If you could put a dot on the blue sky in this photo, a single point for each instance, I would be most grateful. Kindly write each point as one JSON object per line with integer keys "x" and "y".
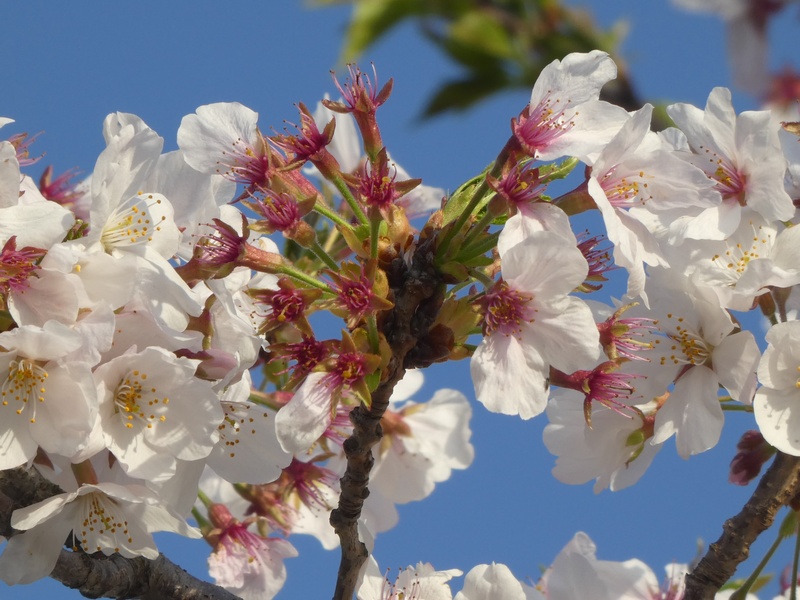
{"x": 69, "y": 64}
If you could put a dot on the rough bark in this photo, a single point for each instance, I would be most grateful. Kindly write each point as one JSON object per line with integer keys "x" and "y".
{"x": 97, "y": 575}
{"x": 779, "y": 484}
{"x": 418, "y": 294}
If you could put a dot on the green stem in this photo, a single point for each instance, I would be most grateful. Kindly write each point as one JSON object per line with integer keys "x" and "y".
{"x": 300, "y": 276}
{"x": 477, "y": 229}
{"x": 372, "y": 334}
{"x": 330, "y": 214}
{"x": 263, "y": 399}
{"x": 737, "y": 408}
{"x": 341, "y": 186}
{"x": 469, "y": 252}
{"x": 485, "y": 280}
{"x": 375, "y": 219}
{"x": 207, "y": 502}
{"x": 321, "y": 254}
{"x": 201, "y": 520}
{"x": 477, "y": 196}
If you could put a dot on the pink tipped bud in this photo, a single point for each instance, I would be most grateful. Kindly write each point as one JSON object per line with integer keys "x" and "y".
{"x": 754, "y": 451}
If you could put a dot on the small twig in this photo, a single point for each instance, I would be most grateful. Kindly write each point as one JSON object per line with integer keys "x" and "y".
{"x": 417, "y": 299}
{"x": 779, "y": 484}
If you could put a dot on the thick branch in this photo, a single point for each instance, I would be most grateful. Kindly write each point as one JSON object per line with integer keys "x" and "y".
{"x": 779, "y": 484}
{"x": 97, "y": 575}
{"x": 417, "y": 299}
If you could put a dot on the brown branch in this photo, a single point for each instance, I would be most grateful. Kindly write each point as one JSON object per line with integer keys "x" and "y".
{"x": 97, "y": 575}
{"x": 418, "y": 294}
{"x": 779, "y": 484}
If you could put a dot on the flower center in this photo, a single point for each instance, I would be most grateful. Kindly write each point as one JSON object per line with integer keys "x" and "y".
{"x": 131, "y": 223}
{"x": 99, "y": 523}
{"x": 505, "y": 310}
{"x": 16, "y": 266}
{"x": 24, "y": 386}
{"x": 135, "y": 401}
{"x": 733, "y": 263}
{"x": 688, "y": 347}
{"x": 544, "y": 124}
{"x": 626, "y": 190}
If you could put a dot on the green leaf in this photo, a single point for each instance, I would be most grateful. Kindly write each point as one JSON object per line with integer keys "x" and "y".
{"x": 372, "y": 19}
{"x": 462, "y": 94}
{"x": 460, "y": 198}
{"x": 481, "y": 33}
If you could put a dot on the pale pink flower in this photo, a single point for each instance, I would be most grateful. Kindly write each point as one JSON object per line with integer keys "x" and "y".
{"x": 776, "y": 401}
{"x": 422, "y": 582}
{"x": 565, "y": 117}
{"x": 742, "y": 154}
{"x": 530, "y": 323}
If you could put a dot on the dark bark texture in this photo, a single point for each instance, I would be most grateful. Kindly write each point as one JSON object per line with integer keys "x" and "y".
{"x": 97, "y": 575}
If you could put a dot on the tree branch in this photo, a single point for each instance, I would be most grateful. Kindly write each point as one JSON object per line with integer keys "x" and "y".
{"x": 418, "y": 295}
{"x": 97, "y": 575}
{"x": 779, "y": 484}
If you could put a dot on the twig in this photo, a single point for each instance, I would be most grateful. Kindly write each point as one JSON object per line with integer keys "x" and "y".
{"x": 779, "y": 484}
{"x": 418, "y": 295}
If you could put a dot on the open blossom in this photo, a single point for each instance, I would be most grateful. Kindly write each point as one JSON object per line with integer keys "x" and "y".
{"x": 422, "y": 443}
{"x": 224, "y": 138}
{"x": 106, "y": 517}
{"x": 47, "y": 400}
{"x": 531, "y": 323}
{"x": 153, "y": 411}
{"x": 422, "y": 582}
{"x": 248, "y": 448}
{"x": 615, "y": 451}
{"x": 635, "y": 173}
{"x": 694, "y": 345}
{"x": 245, "y": 562}
{"x": 742, "y": 154}
{"x": 565, "y": 117}
{"x": 776, "y": 401}
{"x": 486, "y": 582}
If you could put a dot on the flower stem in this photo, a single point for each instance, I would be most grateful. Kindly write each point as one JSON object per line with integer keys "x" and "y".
{"x": 325, "y": 211}
{"x": 321, "y": 254}
{"x": 340, "y": 185}
{"x": 300, "y": 276}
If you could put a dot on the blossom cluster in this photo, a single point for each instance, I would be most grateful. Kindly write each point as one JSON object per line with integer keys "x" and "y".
{"x": 158, "y": 358}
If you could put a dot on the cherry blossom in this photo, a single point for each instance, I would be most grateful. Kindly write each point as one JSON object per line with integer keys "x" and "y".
{"x": 531, "y": 323}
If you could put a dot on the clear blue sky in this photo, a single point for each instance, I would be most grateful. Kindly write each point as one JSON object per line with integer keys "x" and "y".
{"x": 68, "y": 64}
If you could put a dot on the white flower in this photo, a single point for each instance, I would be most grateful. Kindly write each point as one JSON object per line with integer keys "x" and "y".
{"x": 776, "y": 402}
{"x": 576, "y": 573}
{"x": 223, "y": 138}
{"x": 421, "y": 445}
{"x": 693, "y": 344}
{"x": 615, "y": 452}
{"x": 565, "y": 117}
{"x": 248, "y": 448}
{"x": 45, "y": 401}
{"x": 153, "y": 410}
{"x": 106, "y": 518}
{"x": 422, "y": 582}
{"x": 490, "y": 582}
{"x": 634, "y": 173}
{"x": 531, "y": 323}
{"x": 742, "y": 154}
{"x": 248, "y": 564}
